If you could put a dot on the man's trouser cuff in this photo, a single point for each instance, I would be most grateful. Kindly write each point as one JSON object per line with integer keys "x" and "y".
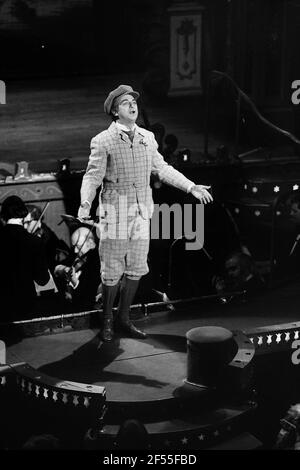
{"x": 109, "y": 282}
{"x": 133, "y": 277}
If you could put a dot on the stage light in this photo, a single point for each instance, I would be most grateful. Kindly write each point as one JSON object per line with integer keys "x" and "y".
{"x": 257, "y": 213}
{"x": 183, "y": 156}
{"x": 63, "y": 167}
{"x": 237, "y": 210}
{"x": 278, "y": 213}
{"x": 245, "y": 187}
{"x": 276, "y": 189}
{"x": 254, "y": 189}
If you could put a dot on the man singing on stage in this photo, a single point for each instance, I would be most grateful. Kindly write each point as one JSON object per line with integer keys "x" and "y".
{"x": 122, "y": 159}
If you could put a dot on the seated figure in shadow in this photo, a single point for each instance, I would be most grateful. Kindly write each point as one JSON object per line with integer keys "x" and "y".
{"x": 240, "y": 274}
{"x": 78, "y": 279}
{"x": 286, "y": 262}
{"x": 56, "y": 249}
{"x": 292, "y": 262}
{"x": 23, "y": 263}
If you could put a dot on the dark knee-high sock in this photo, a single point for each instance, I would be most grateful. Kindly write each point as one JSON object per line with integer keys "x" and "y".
{"x": 108, "y": 297}
{"x": 127, "y": 293}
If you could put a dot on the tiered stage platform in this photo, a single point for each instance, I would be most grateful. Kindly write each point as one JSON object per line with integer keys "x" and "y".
{"x": 146, "y": 379}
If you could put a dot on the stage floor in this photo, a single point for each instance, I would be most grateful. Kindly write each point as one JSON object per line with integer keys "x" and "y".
{"x": 151, "y": 369}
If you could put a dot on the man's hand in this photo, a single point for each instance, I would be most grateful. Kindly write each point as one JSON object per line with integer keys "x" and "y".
{"x": 201, "y": 193}
{"x": 74, "y": 279}
{"x": 84, "y": 211}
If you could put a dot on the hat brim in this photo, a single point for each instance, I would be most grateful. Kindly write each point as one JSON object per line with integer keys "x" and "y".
{"x": 135, "y": 94}
{"x": 117, "y": 99}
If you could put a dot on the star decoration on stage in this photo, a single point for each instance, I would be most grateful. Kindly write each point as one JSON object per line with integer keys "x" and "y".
{"x": 3, "y": 380}
{"x": 75, "y": 400}
{"x": 295, "y": 187}
{"x": 184, "y": 440}
{"x": 278, "y": 337}
{"x": 269, "y": 340}
{"x": 86, "y": 402}
{"x": 201, "y": 437}
{"x": 276, "y": 189}
{"x": 287, "y": 336}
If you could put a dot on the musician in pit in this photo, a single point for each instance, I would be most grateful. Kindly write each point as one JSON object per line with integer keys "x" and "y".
{"x": 293, "y": 258}
{"x": 286, "y": 263}
{"x": 78, "y": 279}
{"x": 240, "y": 275}
{"x": 23, "y": 262}
{"x": 56, "y": 249}
{"x": 295, "y": 209}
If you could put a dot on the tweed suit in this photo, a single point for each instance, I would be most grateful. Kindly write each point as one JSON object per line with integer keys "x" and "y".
{"x": 125, "y": 201}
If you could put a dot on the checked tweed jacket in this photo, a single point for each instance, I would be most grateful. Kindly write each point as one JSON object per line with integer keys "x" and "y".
{"x": 124, "y": 168}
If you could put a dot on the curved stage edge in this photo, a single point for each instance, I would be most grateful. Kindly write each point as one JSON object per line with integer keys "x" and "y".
{"x": 66, "y": 376}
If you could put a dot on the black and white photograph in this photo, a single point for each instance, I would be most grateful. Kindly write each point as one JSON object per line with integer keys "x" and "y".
{"x": 149, "y": 228}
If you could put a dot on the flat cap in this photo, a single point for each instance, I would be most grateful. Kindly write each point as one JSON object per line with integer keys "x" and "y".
{"x": 117, "y": 93}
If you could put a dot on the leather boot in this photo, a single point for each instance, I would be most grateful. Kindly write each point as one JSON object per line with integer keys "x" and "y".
{"x": 123, "y": 322}
{"x": 108, "y": 295}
